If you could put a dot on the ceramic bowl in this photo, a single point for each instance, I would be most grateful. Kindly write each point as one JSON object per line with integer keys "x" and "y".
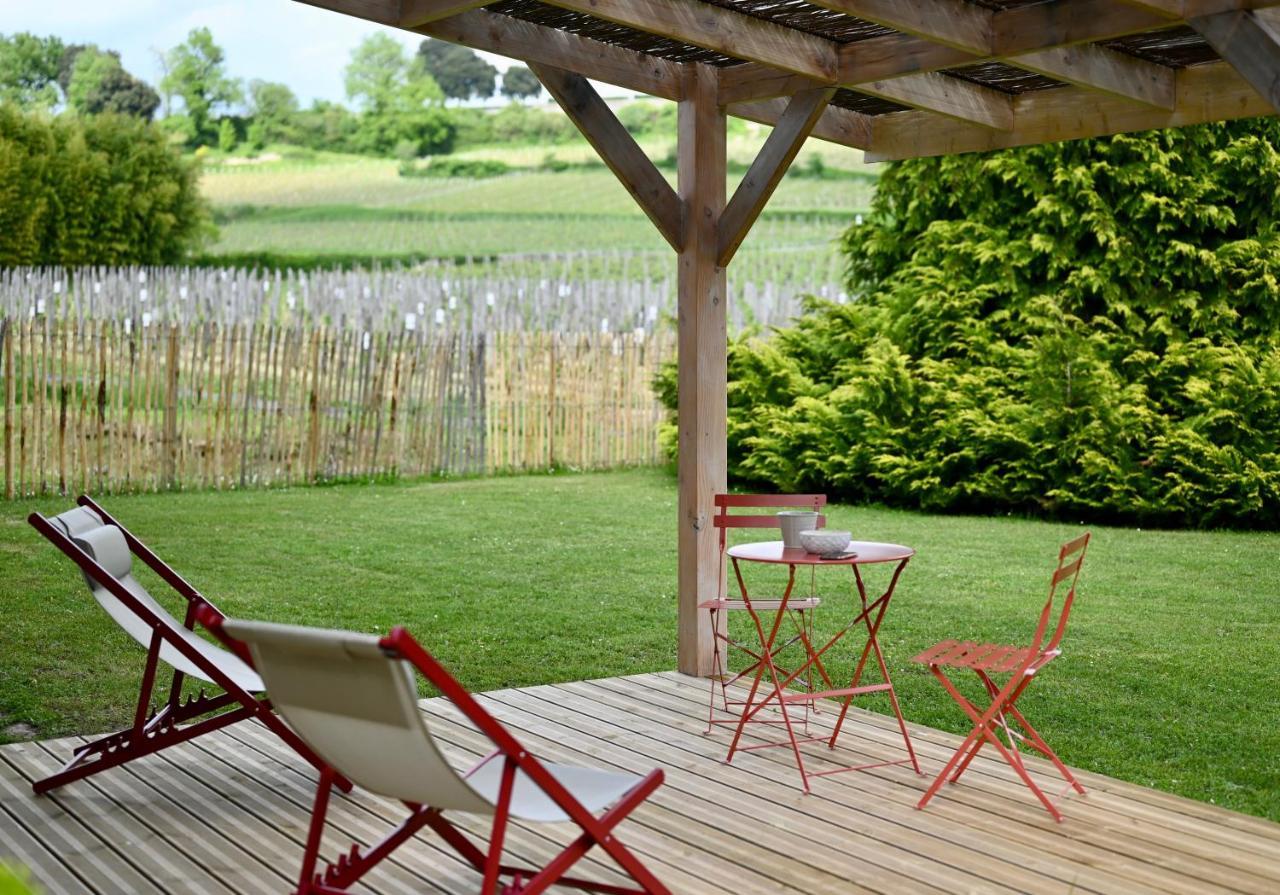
{"x": 825, "y": 542}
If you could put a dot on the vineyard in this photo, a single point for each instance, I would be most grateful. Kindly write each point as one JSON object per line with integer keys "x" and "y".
{"x": 161, "y": 379}
{"x": 285, "y": 212}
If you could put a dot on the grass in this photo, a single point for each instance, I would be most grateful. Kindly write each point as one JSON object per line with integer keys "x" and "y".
{"x": 1168, "y": 678}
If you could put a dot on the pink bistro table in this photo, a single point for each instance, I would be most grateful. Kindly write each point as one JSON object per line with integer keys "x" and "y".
{"x": 774, "y": 691}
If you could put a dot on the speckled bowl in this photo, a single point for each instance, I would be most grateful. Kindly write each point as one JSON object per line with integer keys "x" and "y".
{"x": 825, "y": 542}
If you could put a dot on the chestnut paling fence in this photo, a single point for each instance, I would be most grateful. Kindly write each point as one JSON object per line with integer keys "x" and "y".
{"x": 143, "y": 380}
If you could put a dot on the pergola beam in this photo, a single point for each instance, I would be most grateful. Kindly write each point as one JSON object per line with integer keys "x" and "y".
{"x": 948, "y": 97}
{"x": 415, "y": 13}
{"x": 1205, "y": 93}
{"x": 1172, "y": 9}
{"x": 952, "y": 23}
{"x": 483, "y": 30}
{"x": 766, "y": 171}
{"x": 841, "y": 126}
{"x": 721, "y": 30}
{"x": 618, "y": 149}
{"x": 1104, "y": 70}
{"x": 1025, "y": 29}
{"x": 880, "y": 59}
{"x": 384, "y": 12}
{"x": 1250, "y": 43}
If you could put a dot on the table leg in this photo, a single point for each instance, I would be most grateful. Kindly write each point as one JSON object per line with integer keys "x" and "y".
{"x": 873, "y": 646}
{"x": 766, "y": 648}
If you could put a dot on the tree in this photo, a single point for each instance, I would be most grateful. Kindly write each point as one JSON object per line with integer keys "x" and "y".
{"x": 376, "y": 74}
{"x": 1080, "y": 330}
{"x": 274, "y": 110}
{"x": 328, "y": 125}
{"x": 121, "y": 92}
{"x": 401, "y": 102}
{"x": 96, "y": 82}
{"x": 100, "y": 190}
{"x": 29, "y": 69}
{"x": 227, "y": 138}
{"x": 196, "y": 72}
{"x": 518, "y": 82}
{"x": 459, "y": 71}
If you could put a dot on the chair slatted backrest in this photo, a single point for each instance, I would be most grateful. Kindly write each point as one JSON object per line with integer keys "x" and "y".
{"x": 356, "y": 705}
{"x": 1070, "y": 561}
{"x": 723, "y": 520}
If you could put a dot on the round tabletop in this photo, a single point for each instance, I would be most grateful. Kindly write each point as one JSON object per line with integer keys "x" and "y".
{"x": 867, "y": 552}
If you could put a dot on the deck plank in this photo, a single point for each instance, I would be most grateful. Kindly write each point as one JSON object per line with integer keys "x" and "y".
{"x": 244, "y": 800}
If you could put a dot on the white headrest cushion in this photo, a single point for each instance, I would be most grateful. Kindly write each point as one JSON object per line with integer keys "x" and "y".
{"x": 77, "y": 521}
{"x": 107, "y": 545}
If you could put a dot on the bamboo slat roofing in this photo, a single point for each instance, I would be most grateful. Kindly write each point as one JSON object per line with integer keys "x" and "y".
{"x": 913, "y": 77}
{"x": 1170, "y": 47}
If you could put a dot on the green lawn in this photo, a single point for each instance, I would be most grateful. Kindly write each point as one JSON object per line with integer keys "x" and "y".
{"x": 1169, "y": 677}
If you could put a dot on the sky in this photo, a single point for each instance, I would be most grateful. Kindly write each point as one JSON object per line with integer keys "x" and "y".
{"x": 275, "y": 40}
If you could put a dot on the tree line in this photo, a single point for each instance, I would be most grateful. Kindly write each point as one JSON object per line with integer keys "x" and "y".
{"x": 398, "y": 100}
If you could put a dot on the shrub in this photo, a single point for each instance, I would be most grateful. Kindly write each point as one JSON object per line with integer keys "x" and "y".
{"x": 475, "y": 127}
{"x": 647, "y": 117}
{"x": 457, "y": 167}
{"x": 429, "y": 129}
{"x": 100, "y": 190}
{"x": 517, "y": 123}
{"x": 1080, "y": 330}
{"x": 227, "y": 136}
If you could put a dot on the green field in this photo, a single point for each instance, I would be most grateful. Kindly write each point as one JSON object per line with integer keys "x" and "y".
{"x": 300, "y": 203}
{"x": 524, "y": 580}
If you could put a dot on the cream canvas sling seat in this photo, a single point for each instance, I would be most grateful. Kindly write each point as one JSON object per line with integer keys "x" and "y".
{"x": 105, "y": 552}
{"x": 353, "y": 698}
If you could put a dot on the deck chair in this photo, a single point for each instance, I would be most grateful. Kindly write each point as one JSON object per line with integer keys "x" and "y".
{"x": 104, "y": 550}
{"x": 721, "y": 606}
{"x": 1021, "y": 663}
{"x": 354, "y": 699}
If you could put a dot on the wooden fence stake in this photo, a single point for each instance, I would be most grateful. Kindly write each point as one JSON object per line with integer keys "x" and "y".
{"x": 6, "y": 338}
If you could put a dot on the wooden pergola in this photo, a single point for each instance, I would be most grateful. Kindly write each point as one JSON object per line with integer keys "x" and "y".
{"x": 895, "y": 78}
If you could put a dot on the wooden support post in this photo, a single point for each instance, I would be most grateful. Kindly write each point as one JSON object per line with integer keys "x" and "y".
{"x": 702, "y": 353}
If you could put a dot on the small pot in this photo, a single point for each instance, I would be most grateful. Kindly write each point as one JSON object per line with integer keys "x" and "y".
{"x": 792, "y": 522}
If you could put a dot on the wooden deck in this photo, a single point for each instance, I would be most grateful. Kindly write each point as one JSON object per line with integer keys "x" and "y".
{"x": 227, "y": 814}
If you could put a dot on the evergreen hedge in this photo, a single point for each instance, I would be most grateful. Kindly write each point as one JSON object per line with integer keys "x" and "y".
{"x": 93, "y": 190}
{"x": 1080, "y": 330}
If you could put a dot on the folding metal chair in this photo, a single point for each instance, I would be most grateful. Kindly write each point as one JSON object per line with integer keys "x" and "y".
{"x": 1021, "y": 664}
{"x": 800, "y": 609}
{"x": 104, "y": 551}
{"x": 353, "y": 697}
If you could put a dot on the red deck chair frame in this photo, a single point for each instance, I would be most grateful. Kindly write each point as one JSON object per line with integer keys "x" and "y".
{"x": 320, "y": 719}
{"x": 803, "y": 608}
{"x": 155, "y": 729}
{"x": 1022, "y": 664}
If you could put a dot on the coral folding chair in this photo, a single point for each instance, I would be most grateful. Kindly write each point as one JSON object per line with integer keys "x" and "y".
{"x": 105, "y": 550}
{"x": 1021, "y": 663}
{"x": 721, "y": 606}
{"x": 354, "y": 699}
